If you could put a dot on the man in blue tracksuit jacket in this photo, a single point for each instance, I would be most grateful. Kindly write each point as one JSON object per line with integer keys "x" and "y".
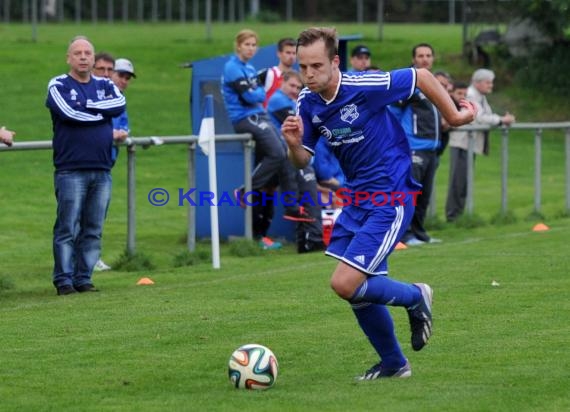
{"x": 244, "y": 96}
{"x": 82, "y": 107}
{"x": 421, "y": 121}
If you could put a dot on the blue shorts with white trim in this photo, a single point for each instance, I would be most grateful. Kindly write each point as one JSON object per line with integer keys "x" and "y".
{"x": 364, "y": 238}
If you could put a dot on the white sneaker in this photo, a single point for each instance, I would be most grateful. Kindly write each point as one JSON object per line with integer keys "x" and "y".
{"x": 100, "y": 266}
{"x": 414, "y": 242}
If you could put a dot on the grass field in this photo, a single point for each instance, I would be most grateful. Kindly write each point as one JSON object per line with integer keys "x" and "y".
{"x": 166, "y": 346}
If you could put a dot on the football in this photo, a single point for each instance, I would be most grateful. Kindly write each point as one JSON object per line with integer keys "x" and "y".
{"x": 253, "y": 366}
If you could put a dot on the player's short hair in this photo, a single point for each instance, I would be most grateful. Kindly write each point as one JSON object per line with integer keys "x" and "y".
{"x": 314, "y": 34}
{"x": 243, "y": 35}
{"x": 287, "y": 41}
{"x": 417, "y": 46}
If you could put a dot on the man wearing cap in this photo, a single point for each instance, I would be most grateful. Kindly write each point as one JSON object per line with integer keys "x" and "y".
{"x": 122, "y": 75}
{"x": 360, "y": 59}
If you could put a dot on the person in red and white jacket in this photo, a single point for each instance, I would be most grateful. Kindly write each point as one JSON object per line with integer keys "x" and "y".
{"x": 273, "y": 76}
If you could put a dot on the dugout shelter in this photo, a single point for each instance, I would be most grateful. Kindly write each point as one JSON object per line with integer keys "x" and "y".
{"x": 206, "y": 79}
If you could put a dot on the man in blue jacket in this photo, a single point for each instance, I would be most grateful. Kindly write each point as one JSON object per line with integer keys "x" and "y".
{"x": 82, "y": 107}
{"x": 421, "y": 122}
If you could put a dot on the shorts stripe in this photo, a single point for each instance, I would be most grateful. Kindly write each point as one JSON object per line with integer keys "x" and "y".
{"x": 388, "y": 241}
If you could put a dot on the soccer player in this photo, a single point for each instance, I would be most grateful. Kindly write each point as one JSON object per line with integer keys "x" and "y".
{"x": 349, "y": 110}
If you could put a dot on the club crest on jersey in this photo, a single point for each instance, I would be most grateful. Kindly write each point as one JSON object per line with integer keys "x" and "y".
{"x": 101, "y": 94}
{"x": 73, "y": 94}
{"x": 349, "y": 113}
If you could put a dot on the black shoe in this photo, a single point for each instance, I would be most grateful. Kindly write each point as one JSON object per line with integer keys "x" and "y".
{"x": 88, "y": 287}
{"x": 298, "y": 215}
{"x": 65, "y": 290}
{"x": 421, "y": 318}
{"x": 309, "y": 246}
{"x": 378, "y": 372}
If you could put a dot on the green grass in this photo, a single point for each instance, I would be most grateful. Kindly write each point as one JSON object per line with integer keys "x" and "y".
{"x": 166, "y": 346}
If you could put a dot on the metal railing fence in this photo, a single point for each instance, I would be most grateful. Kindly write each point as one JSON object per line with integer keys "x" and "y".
{"x": 146, "y": 142}
{"x": 537, "y": 128}
{"x": 248, "y": 145}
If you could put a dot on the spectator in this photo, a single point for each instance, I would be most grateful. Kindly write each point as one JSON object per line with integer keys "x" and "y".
{"x": 6, "y": 136}
{"x": 283, "y": 103}
{"x": 350, "y": 110}
{"x": 104, "y": 65}
{"x": 422, "y": 123}
{"x": 360, "y": 59}
{"x": 273, "y": 76}
{"x": 82, "y": 107}
{"x": 481, "y": 85}
{"x": 244, "y": 98}
{"x": 264, "y": 210}
{"x": 330, "y": 176}
{"x": 444, "y": 79}
{"x": 123, "y": 72}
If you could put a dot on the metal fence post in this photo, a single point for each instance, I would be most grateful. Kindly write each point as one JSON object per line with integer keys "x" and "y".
{"x": 247, "y": 167}
{"x": 131, "y": 200}
{"x": 568, "y": 170}
{"x": 537, "y": 168}
{"x": 469, "y": 198}
{"x": 191, "y": 239}
{"x": 504, "y": 168}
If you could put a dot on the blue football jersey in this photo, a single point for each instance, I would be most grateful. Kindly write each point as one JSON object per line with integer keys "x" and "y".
{"x": 368, "y": 141}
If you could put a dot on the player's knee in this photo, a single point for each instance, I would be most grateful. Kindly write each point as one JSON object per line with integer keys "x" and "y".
{"x": 342, "y": 288}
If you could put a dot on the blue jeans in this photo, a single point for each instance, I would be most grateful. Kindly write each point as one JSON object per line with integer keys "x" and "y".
{"x": 82, "y": 201}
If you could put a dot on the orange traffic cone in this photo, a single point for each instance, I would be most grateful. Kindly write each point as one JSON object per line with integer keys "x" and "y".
{"x": 401, "y": 246}
{"x": 145, "y": 281}
{"x": 540, "y": 227}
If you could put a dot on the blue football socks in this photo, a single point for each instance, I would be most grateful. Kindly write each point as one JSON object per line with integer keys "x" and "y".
{"x": 376, "y": 322}
{"x": 386, "y": 291}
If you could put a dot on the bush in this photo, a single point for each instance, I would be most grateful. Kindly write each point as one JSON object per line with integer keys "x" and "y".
{"x": 133, "y": 263}
{"x": 187, "y": 258}
{"x": 506, "y": 218}
{"x": 245, "y": 248}
{"x": 6, "y": 283}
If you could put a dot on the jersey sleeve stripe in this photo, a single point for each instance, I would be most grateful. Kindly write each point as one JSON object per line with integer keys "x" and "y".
{"x": 68, "y": 111}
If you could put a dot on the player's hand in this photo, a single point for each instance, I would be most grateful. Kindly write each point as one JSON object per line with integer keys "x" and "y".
{"x": 292, "y": 130}
{"x": 467, "y": 113}
{"x": 6, "y": 136}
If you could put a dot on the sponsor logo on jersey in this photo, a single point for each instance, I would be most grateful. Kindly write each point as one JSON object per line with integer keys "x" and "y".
{"x": 325, "y": 132}
{"x": 349, "y": 113}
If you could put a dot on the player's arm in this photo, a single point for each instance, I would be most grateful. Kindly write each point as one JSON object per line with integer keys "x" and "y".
{"x": 248, "y": 89}
{"x": 435, "y": 92}
{"x": 67, "y": 105}
{"x": 292, "y": 130}
{"x": 113, "y": 105}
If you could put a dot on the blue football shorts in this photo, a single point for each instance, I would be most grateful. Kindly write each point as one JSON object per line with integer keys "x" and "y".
{"x": 364, "y": 238}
